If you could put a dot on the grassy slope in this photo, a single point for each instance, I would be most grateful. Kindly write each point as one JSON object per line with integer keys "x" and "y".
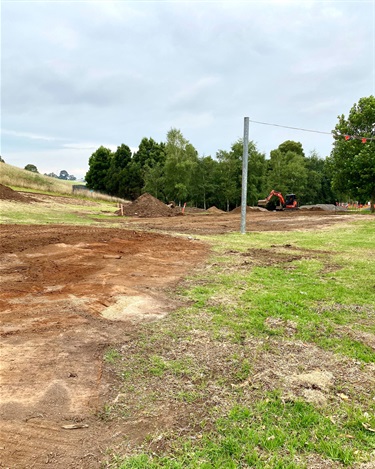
{"x": 89, "y": 207}
{"x": 21, "y": 179}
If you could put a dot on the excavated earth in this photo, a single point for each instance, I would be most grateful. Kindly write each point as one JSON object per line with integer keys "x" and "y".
{"x": 68, "y": 294}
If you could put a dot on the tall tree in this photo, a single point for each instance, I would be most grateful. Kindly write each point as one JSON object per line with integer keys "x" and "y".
{"x": 291, "y": 145}
{"x": 203, "y": 181}
{"x": 313, "y": 191}
{"x": 154, "y": 180}
{"x": 149, "y": 154}
{"x": 117, "y": 177}
{"x": 229, "y": 187}
{"x": 99, "y": 164}
{"x": 287, "y": 171}
{"x": 181, "y": 158}
{"x": 256, "y": 170}
{"x": 353, "y": 156}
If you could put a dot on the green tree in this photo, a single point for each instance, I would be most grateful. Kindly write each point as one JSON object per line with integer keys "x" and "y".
{"x": 149, "y": 154}
{"x": 313, "y": 191}
{"x": 287, "y": 172}
{"x": 203, "y": 182}
{"x": 291, "y": 145}
{"x": 99, "y": 164}
{"x": 32, "y": 168}
{"x": 117, "y": 178}
{"x": 181, "y": 159}
{"x": 154, "y": 180}
{"x": 64, "y": 174}
{"x": 229, "y": 178}
{"x": 353, "y": 161}
{"x": 256, "y": 170}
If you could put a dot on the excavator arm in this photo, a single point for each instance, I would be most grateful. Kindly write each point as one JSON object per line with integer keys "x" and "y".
{"x": 266, "y": 201}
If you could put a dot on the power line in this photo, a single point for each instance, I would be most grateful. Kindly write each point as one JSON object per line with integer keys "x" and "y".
{"x": 346, "y": 136}
{"x": 294, "y": 128}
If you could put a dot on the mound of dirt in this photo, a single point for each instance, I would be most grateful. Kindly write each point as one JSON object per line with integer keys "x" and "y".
{"x": 323, "y": 207}
{"x": 147, "y": 206}
{"x": 214, "y": 209}
{"x": 194, "y": 210}
{"x": 249, "y": 209}
{"x": 6, "y": 193}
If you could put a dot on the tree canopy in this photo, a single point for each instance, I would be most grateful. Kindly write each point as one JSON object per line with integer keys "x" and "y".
{"x": 353, "y": 154}
{"x": 32, "y": 168}
{"x": 99, "y": 164}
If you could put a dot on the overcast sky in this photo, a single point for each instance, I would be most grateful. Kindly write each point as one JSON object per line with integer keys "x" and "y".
{"x": 79, "y": 74}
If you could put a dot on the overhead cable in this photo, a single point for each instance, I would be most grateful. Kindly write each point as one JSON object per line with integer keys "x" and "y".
{"x": 347, "y": 137}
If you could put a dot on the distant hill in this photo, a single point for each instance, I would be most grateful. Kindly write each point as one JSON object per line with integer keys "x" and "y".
{"x": 21, "y": 179}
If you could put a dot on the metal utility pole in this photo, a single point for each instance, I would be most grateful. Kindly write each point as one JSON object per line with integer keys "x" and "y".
{"x": 244, "y": 174}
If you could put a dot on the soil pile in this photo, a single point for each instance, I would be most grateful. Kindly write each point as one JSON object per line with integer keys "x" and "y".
{"x": 6, "y": 193}
{"x": 214, "y": 209}
{"x": 147, "y": 206}
{"x": 194, "y": 210}
{"x": 249, "y": 209}
{"x": 323, "y": 207}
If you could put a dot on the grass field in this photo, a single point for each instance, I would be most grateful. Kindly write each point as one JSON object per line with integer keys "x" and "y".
{"x": 238, "y": 363}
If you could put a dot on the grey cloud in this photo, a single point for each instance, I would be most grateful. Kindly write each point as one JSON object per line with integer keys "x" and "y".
{"x": 118, "y": 71}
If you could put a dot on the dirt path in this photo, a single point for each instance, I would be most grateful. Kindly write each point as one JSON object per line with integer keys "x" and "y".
{"x": 67, "y": 294}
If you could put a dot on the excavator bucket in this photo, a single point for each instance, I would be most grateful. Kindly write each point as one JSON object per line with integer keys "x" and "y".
{"x": 262, "y": 202}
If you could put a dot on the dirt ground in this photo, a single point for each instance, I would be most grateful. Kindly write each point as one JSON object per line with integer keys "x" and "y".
{"x": 67, "y": 294}
{"x": 70, "y": 293}
{"x": 210, "y": 223}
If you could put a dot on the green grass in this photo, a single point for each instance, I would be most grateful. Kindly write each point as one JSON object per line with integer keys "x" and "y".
{"x": 247, "y": 308}
{"x": 269, "y": 434}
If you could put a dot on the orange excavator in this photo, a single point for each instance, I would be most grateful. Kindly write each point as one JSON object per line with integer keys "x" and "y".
{"x": 271, "y": 203}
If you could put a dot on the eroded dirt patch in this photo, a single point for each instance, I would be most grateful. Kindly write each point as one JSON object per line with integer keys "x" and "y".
{"x": 57, "y": 284}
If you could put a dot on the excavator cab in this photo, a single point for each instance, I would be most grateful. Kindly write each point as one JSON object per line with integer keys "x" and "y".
{"x": 291, "y": 202}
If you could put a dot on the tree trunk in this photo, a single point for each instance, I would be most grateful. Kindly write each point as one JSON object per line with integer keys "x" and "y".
{"x": 372, "y": 202}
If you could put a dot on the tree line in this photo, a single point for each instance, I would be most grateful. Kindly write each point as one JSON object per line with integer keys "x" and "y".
{"x": 63, "y": 173}
{"x": 173, "y": 170}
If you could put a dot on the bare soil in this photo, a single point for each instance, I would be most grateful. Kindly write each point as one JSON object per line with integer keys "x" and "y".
{"x": 68, "y": 295}
{"x": 218, "y": 222}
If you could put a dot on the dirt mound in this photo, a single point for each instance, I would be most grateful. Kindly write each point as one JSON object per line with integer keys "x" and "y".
{"x": 147, "y": 206}
{"x": 249, "y": 209}
{"x": 323, "y": 207}
{"x": 6, "y": 193}
{"x": 194, "y": 210}
{"x": 214, "y": 209}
